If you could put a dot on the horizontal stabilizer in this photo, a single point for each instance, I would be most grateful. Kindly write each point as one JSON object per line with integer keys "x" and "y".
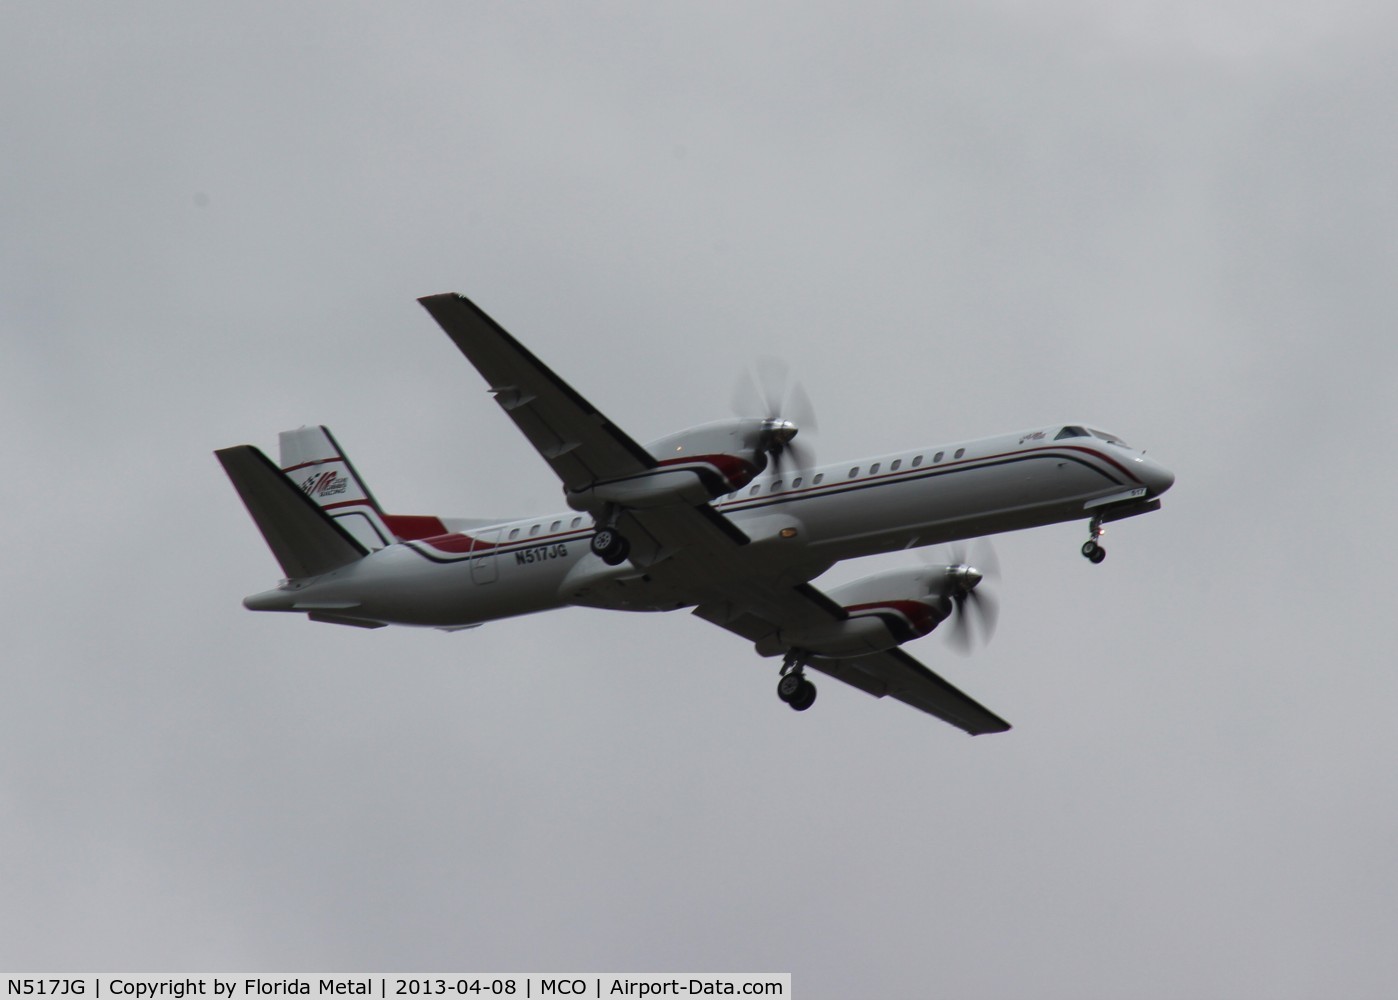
{"x": 305, "y": 540}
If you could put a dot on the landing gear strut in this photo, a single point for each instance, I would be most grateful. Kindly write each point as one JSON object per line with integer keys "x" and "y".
{"x": 793, "y": 688}
{"x": 1091, "y": 549}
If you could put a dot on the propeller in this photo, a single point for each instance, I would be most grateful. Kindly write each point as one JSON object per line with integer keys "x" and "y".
{"x": 975, "y": 611}
{"x": 784, "y": 409}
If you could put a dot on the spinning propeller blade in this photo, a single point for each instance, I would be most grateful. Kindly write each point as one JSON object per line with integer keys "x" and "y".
{"x": 783, "y": 406}
{"x": 976, "y": 611}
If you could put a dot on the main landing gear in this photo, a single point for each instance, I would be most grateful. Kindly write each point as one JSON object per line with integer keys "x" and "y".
{"x": 1091, "y": 549}
{"x": 793, "y": 688}
{"x": 611, "y": 546}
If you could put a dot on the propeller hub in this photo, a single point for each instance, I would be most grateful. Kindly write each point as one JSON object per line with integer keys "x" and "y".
{"x": 966, "y": 577}
{"x": 771, "y": 398}
{"x": 780, "y": 432}
{"x": 974, "y": 611}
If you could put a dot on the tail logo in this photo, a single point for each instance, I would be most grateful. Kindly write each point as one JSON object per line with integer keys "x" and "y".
{"x": 326, "y": 484}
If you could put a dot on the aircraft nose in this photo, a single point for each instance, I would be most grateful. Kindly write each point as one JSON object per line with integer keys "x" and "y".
{"x": 1157, "y": 478}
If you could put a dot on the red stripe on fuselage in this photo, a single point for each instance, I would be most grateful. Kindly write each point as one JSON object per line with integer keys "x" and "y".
{"x": 1106, "y": 458}
{"x": 412, "y": 527}
{"x": 459, "y": 543}
{"x": 456, "y": 543}
{"x": 837, "y": 486}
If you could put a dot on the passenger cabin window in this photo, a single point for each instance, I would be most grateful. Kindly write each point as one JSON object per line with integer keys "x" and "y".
{"x": 917, "y": 460}
{"x": 874, "y": 468}
{"x": 555, "y": 526}
{"x": 1070, "y": 432}
{"x": 514, "y": 533}
{"x": 817, "y": 479}
{"x": 895, "y": 465}
{"x": 938, "y": 457}
{"x": 776, "y": 485}
{"x": 959, "y": 452}
{"x": 854, "y": 472}
{"x": 534, "y": 530}
{"x": 754, "y": 491}
{"x": 577, "y": 521}
{"x": 796, "y": 483}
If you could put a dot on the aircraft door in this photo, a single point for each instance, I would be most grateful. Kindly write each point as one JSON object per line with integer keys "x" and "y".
{"x": 483, "y": 569}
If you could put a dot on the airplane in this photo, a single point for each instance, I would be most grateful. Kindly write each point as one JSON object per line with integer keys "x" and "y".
{"x": 729, "y": 519}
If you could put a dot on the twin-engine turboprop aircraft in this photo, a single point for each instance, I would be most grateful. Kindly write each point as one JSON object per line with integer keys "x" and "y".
{"x": 726, "y": 519}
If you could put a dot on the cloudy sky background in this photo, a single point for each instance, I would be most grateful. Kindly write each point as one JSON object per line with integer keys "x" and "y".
{"x": 1175, "y": 221}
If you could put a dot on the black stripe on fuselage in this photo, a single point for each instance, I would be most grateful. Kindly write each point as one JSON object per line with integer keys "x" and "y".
{"x": 506, "y": 549}
{"x": 903, "y": 476}
{"x": 717, "y": 513}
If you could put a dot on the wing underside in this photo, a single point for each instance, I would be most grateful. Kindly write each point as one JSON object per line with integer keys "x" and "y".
{"x": 891, "y": 673}
{"x": 581, "y": 445}
{"x": 895, "y": 674}
{"x": 691, "y": 550}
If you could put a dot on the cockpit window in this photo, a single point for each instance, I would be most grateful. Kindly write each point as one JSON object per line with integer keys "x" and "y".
{"x": 1110, "y": 438}
{"x": 1071, "y": 432}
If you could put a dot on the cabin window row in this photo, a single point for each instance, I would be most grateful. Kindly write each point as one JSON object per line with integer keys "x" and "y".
{"x": 534, "y": 529}
{"x": 777, "y": 485}
{"x": 897, "y": 463}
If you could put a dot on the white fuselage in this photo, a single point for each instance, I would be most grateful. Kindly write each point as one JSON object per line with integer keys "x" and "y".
{"x": 801, "y": 522}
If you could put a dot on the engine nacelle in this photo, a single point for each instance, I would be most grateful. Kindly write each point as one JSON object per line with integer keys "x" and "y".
{"x": 729, "y": 452}
{"x": 885, "y": 610}
{"x": 694, "y": 467}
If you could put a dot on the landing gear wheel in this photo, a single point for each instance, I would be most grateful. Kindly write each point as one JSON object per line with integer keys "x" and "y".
{"x": 789, "y": 687}
{"x": 611, "y": 546}
{"x": 793, "y": 688}
{"x": 805, "y": 696}
{"x": 1092, "y": 551}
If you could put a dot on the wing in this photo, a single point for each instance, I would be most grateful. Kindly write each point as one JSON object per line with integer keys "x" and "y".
{"x": 694, "y": 551}
{"x": 581, "y": 445}
{"x": 895, "y": 674}
{"x": 891, "y": 673}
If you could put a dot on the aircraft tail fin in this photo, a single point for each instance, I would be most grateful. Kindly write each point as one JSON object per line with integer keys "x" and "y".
{"x": 313, "y": 460}
{"x": 303, "y": 537}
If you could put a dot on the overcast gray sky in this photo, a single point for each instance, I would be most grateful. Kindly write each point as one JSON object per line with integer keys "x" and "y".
{"x": 1175, "y": 221}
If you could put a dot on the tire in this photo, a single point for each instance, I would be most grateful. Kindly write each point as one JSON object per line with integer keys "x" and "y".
{"x": 611, "y": 546}
{"x": 603, "y": 540}
{"x": 805, "y": 697}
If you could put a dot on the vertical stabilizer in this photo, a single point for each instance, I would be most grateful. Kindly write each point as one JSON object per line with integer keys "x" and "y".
{"x": 305, "y": 541}
{"x": 313, "y": 460}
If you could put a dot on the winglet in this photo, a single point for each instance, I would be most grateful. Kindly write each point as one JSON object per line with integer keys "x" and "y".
{"x": 305, "y": 540}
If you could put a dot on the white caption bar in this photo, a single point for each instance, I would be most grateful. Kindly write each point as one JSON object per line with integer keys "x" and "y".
{"x": 401, "y": 986}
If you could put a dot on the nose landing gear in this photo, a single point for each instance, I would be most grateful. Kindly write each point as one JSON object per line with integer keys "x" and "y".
{"x": 1092, "y": 551}
{"x": 793, "y": 688}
